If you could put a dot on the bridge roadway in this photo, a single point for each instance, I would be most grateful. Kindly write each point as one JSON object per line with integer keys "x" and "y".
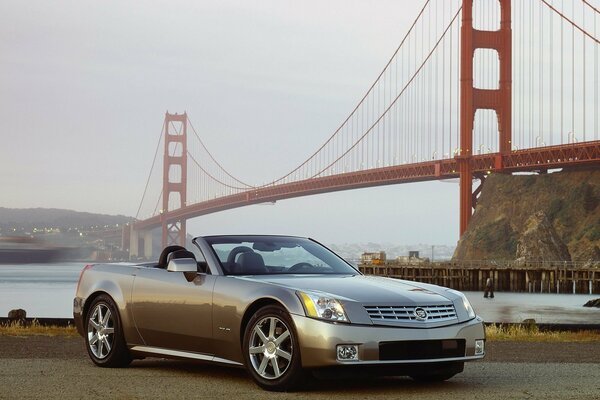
{"x": 535, "y": 159}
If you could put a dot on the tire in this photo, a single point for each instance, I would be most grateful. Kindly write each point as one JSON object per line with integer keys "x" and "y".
{"x": 104, "y": 340}
{"x": 271, "y": 350}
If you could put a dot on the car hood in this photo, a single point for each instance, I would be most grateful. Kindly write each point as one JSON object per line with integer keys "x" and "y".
{"x": 360, "y": 288}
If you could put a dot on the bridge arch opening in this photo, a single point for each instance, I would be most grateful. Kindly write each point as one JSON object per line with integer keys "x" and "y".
{"x": 175, "y": 173}
{"x": 486, "y": 134}
{"x": 486, "y": 69}
{"x": 486, "y": 15}
{"x": 174, "y": 201}
{"x": 175, "y": 149}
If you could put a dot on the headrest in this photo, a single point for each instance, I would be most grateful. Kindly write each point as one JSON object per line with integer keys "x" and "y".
{"x": 235, "y": 251}
{"x": 162, "y": 260}
{"x": 251, "y": 263}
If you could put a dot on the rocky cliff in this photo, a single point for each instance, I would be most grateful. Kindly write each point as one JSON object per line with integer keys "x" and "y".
{"x": 548, "y": 217}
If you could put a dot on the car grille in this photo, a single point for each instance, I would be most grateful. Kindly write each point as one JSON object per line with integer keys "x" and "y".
{"x": 421, "y": 349}
{"x": 435, "y": 313}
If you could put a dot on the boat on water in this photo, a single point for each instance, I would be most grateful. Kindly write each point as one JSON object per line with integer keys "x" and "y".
{"x": 27, "y": 250}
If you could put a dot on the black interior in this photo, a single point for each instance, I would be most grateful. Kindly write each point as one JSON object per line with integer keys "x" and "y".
{"x": 162, "y": 260}
{"x": 174, "y": 252}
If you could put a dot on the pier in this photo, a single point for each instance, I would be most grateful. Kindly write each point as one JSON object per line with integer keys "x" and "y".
{"x": 533, "y": 277}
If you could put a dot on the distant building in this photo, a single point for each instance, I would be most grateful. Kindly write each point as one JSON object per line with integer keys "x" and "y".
{"x": 373, "y": 258}
{"x": 412, "y": 258}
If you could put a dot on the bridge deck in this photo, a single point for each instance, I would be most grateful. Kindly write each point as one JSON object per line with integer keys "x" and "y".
{"x": 541, "y": 158}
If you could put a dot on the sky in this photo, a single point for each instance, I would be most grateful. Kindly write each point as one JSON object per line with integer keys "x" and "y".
{"x": 85, "y": 86}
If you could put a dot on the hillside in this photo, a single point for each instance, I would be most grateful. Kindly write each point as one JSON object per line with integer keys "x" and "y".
{"x": 548, "y": 217}
{"x": 26, "y": 219}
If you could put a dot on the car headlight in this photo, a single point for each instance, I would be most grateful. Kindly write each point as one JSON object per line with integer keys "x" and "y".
{"x": 322, "y": 306}
{"x": 466, "y": 303}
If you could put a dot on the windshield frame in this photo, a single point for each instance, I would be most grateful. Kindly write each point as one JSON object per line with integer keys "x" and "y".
{"x": 205, "y": 243}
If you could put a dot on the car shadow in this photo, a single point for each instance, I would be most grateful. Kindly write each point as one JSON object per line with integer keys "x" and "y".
{"x": 352, "y": 385}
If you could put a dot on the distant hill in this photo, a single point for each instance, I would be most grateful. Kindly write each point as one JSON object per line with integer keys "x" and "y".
{"x": 547, "y": 217}
{"x": 26, "y": 219}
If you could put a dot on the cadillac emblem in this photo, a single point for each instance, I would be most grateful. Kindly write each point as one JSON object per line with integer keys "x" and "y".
{"x": 420, "y": 314}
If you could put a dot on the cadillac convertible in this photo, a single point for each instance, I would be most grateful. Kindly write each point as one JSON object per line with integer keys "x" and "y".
{"x": 282, "y": 307}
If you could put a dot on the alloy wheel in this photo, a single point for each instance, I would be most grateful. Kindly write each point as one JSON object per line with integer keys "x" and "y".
{"x": 101, "y": 331}
{"x": 270, "y": 348}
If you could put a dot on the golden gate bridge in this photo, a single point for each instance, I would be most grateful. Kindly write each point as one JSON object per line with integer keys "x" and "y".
{"x": 475, "y": 87}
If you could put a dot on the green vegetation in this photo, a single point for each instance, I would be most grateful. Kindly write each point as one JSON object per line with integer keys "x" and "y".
{"x": 594, "y": 231}
{"x": 591, "y": 231}
{"x": 570, "y": 200}
{"x": 496, "y": 237}
{"x": 590, "y": 200}
{"x": 556, "y": 209}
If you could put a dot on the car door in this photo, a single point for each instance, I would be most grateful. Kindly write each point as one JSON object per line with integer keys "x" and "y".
{"x": 173, "y": 310}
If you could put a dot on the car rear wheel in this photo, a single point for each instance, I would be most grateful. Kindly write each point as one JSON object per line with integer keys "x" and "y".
{"x": 104, "y": 339}
{"x": 271, "y": 350}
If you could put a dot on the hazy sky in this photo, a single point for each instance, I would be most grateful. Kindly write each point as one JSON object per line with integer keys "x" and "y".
{"x": 85, "y": 85}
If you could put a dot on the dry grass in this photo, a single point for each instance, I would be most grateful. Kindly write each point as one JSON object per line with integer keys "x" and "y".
{"x": 531, "y": 333}
{"x": 497, "y": 333}
{"x": 35, "y": 329}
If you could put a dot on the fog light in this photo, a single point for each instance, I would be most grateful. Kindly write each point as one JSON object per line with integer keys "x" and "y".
{"x": 347, "y": 352}
{"x": 479, "y": 347}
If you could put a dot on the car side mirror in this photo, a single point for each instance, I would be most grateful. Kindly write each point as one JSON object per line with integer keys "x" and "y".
{"x": 182, "y": 265}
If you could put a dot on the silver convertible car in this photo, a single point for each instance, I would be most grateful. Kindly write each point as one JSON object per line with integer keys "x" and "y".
{"x": 282, "y": 307}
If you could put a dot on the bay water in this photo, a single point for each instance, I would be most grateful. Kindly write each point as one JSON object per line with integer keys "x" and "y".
{"x": 47, "y": 291}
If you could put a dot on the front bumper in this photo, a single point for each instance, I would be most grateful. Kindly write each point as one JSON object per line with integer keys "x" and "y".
{"x": 319, "y": 340}
{"x": 77, "y": 314}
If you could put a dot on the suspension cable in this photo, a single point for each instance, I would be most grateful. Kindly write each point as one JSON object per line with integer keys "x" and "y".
{"x": 361, "y": 101}
{"x": 213, "y": 177}
{"x": 214, "y": 160}
{"x": 151, "y": 169}
{"x": 397, "y": 97}
{"x": 571, "y": 22}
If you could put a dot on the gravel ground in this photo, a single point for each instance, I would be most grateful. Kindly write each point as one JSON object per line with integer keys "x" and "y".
{"x": 44, "y": 367}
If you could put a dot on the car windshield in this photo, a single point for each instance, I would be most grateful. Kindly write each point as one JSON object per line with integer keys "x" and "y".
{"x": 261, "y": 255}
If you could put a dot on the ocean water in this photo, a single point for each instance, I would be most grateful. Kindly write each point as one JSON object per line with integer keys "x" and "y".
{"x": 43, "y": 290}
{"x": 47, "y": 291}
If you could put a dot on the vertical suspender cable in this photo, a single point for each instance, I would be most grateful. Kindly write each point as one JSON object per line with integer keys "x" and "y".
{"x": 584, "y": 70}
{"x": 521, "y": 29}
{"x": 137, "y": 214}
{"x": 458, "y": 105}
{"x": 573, "y": 77}
{"x": 451, "y": 91}
{"x": 531, "y": 77}
{"x": 562, "y": 77}
{"x": 540, "y": 79}
{"x": 444, "y": 86}
{"x": 551, "y": 83}
{"x": 596, "y": 73}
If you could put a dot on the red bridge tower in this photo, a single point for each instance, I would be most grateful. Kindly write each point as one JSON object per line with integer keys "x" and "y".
{"x": 174, "y": 178}
{"x": 472, "y": 99}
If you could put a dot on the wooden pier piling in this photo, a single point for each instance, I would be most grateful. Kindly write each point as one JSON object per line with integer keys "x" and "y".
{"x": 538, "y": 277}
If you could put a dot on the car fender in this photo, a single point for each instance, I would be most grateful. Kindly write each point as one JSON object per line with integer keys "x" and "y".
{"x": 233, "y": 298}
{"x": 120, "y": 291}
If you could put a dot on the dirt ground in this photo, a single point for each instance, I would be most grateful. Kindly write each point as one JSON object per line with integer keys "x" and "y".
{"x": 43, "y": 347}
{"x": 58, "y": 367}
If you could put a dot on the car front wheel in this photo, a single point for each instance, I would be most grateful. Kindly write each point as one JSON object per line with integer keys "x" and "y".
{"x": 271, "y": 350}
{"x": 104, "y": 339}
